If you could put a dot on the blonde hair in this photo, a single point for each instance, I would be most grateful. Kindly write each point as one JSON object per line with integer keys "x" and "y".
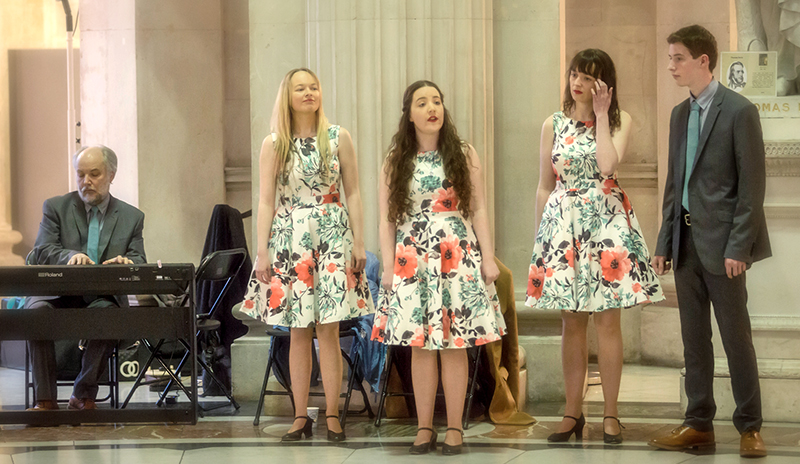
{"x": 282, "y": 126}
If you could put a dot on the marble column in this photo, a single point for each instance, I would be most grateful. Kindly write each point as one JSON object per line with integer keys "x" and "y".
{"x": 152, "y": 89}
{"x": 277, "y": 44}
{"x": 528, "y": 59}
{"x": 527, "y": 70}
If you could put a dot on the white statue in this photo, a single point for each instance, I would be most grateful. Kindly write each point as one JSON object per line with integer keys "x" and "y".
{"x": 773, "y": 25}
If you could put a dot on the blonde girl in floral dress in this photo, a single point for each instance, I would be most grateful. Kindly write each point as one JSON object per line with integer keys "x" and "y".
{"x": 590, "y": 256}
{"x": 311, "y": 252}
{"x": 438, "y": 294}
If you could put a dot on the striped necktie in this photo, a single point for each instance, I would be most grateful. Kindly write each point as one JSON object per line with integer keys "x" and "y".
{"x": 93, "y": 242}
{"x": 692, "y": 139}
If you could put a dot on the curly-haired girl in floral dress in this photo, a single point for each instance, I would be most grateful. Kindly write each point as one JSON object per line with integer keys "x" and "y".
{"x": 438, "y": 294}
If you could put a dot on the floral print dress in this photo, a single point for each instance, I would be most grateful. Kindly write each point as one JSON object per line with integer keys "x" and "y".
{"x": 310, "y": 248}
{"x": 589, "y": 253}
{"x": 438, "y": 298}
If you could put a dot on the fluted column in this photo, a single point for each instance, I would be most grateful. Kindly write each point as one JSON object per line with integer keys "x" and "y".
{"x": 366, "y": 53}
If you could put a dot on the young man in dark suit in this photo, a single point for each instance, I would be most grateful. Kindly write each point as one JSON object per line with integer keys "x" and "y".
{"x": 84, "y": 227}
{"x": 713, "y": 229}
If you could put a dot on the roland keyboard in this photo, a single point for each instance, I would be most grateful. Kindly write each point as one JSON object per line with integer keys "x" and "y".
{"x": 108, "y": 279}
{"x": 135, "y": 322}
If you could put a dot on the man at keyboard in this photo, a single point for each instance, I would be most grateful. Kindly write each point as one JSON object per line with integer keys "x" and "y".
{"x": 84, "y": 227}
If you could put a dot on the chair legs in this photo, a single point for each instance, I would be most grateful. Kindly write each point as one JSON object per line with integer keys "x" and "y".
{"x": 28, "y": 381}
{"x": 112, "y": 383}
{"x": 472, "y": 384}
{"x": 383, "y": 393}
{"x": 143, "y": 370}
{"x": 354, "y": 380}
{"x": 207, "y": 368}
{"x": 219, "y": 383}
{"x": 172, "y": 375}
{"x": 264, "y": 386}
{"x": 387, "y": 367}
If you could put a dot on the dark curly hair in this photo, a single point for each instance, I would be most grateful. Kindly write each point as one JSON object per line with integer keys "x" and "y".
{"x": 599, "y": 65}
{"x": 399, "y": 164}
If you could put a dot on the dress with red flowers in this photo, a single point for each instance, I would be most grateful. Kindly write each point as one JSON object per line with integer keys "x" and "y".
{"x": 310, "y": 248}
{"x": 590, "y": 254}
{"x": 438, "y": 299}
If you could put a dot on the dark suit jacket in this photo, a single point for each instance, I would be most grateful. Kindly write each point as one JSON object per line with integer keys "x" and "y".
{"x": 63, "y": 231}
{"x": 726, "y": 187}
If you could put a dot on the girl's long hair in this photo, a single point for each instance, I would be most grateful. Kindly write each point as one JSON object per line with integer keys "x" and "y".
{"x": 399, "y": 164}
{"x": 599, "y": 65}
{"x": 282, "y": 125}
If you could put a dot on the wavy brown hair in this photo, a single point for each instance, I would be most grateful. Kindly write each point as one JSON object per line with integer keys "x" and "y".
{"x": 598, "y": 64}
{"x": 400, "y": 162}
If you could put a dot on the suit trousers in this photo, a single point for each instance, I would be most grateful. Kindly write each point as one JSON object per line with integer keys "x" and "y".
{"x": 697, "y": 289}
{"x": 93, "y": 362}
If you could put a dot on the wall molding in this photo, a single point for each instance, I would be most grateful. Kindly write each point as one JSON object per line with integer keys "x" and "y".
{"x": 782, "y": 148}
{"x": 638, "y": 175}
{"x": 782, "y": 210}
{"x": 783, "y": 158}
{"x": 775, "y": 323}
{"x": 238, "y": 178}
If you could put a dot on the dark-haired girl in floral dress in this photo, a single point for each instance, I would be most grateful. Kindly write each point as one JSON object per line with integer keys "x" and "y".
{"x": 438, "y": 294}
{"x": 590, "y": 256}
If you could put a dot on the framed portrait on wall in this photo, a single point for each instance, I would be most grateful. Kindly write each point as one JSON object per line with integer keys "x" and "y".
{"x": 752, "y": 74}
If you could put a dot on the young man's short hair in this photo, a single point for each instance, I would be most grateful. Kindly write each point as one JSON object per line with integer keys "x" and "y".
{"x": 699, "y": 41}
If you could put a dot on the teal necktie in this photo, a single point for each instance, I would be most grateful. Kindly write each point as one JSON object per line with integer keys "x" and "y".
{"x": 692, "y": 139}
{"x": 93, "y": 242}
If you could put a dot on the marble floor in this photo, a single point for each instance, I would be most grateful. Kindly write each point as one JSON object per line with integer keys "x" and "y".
{"x": 649, "y": 405}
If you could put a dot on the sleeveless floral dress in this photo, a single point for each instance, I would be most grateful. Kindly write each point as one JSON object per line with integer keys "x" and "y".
{"x": 438, "y": 298}
{"x": 589, "y": 253}
{"x": 310, "y": 248}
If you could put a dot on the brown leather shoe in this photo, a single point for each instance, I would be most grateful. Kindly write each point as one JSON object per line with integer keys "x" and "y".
{"x": 44, "y": 405}
{"x": 751, "y": 445}
{"x": 81, "y": 403}
{"x": 682, "y": 438}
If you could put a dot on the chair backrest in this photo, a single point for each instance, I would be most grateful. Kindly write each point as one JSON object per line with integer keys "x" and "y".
{"x": 218, "y": 266}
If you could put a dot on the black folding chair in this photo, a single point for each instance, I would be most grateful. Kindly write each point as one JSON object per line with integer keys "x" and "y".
{"x": 222, "y": 265}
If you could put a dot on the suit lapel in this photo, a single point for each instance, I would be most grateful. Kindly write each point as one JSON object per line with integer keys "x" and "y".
{"x": 713, "y": 112}
{"x": 109, "y": 222}
{"x": 79, "y": 216}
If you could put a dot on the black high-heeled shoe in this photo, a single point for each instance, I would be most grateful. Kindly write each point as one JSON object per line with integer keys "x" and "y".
{"x": 335, "y": 436}
{"x": 423, "y": 448}
{"x": 612, "y": 439}
{"x": 564, "y": 436}
{"x": 452, "y": 450}
{"x": 299, "y": 433}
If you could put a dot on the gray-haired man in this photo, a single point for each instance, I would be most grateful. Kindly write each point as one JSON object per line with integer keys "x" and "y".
{"x": 84, "y": 227}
